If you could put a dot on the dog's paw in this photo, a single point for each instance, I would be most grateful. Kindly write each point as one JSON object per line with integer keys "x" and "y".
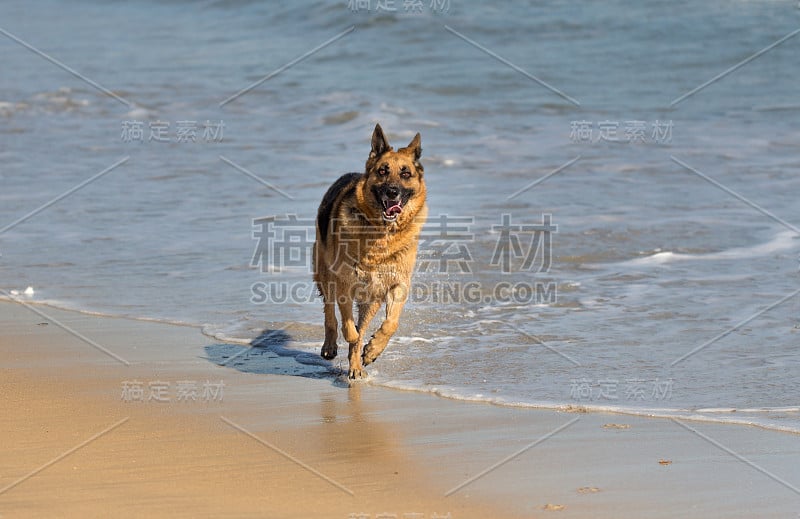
{"x": 357, "y": 374}
{"x": 368, "y": 359}
{"x": 371, "y": 353}
{"x": 329, "y": 351}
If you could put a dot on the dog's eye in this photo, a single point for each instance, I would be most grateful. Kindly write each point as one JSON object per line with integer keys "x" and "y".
{"x": 384, "y": 170}
{"x": 405, "y": 172}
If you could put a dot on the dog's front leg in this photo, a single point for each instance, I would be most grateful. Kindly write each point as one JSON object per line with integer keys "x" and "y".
{"x": 352, "y": 337}
{"x": 366, "y": 311}
{"x": 395, "y": 301}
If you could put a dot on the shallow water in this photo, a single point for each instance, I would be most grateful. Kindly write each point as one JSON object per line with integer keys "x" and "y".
{"x": 674, "y": 225}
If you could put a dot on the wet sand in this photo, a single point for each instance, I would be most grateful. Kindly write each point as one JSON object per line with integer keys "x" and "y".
{"x": 163, "y": 431}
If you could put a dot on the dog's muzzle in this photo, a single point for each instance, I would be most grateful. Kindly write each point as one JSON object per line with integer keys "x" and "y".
{"x": 393, "y": 199}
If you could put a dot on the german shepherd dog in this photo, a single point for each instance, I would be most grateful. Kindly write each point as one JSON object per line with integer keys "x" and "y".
{"x": 368, "y": 225}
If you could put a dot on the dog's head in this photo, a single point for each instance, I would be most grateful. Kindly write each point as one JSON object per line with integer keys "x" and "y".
{"x": 394, "y": 190}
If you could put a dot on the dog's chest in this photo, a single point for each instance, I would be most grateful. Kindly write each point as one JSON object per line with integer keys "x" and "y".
{"x": 374, "y": 283}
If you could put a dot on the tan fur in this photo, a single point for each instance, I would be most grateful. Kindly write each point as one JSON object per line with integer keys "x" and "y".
{"x": 363, "y": 257}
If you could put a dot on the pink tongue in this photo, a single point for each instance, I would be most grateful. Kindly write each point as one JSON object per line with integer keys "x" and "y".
{"x": 395, "y": 209}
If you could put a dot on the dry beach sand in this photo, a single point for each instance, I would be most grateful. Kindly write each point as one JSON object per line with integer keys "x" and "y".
{"x": 203, "y": 440}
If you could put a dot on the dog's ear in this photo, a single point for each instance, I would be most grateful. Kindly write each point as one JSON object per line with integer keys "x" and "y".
{"x": 415, "y": 147}
{"x": 379, "y": 143}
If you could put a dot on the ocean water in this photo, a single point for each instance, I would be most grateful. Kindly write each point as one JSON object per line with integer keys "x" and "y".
{"x": 650, "y": 147}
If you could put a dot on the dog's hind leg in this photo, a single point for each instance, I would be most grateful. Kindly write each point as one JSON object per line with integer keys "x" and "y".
{"x": 329, "y": 347}
{"x": 328, "y": 292}
{"x": 395, "y": 300}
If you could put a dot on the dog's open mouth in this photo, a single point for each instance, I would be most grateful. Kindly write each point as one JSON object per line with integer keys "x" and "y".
{"x": 392, "y": 207}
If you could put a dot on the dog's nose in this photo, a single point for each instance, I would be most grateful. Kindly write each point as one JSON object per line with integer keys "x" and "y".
{"x": 392, "y": 192}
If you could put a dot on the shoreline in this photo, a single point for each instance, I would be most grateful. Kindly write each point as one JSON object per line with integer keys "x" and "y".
{"x": 301, "y": 445}
{"x": 705, "y": 415}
